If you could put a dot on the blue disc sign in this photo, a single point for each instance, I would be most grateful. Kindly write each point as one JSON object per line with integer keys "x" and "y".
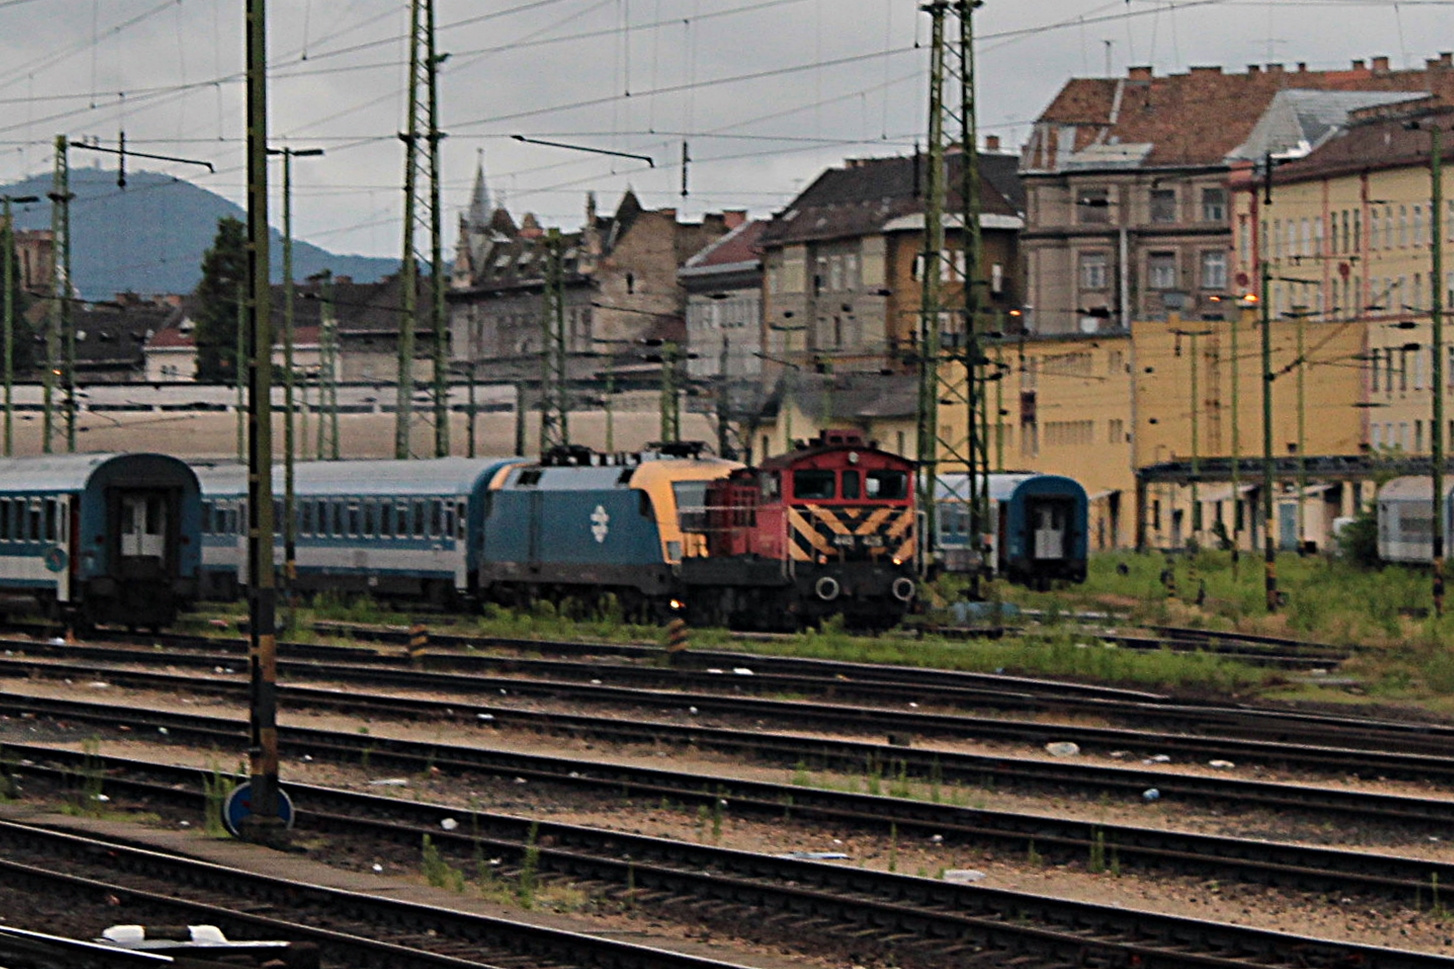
{"x": 55, "y": 558}
{"x": 238, "y": 807}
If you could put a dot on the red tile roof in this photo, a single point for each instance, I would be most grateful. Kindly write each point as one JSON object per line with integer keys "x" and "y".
{"x": 1197, "y": 118}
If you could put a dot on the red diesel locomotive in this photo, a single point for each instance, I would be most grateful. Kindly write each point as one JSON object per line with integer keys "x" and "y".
{"x": 825, "y": 529}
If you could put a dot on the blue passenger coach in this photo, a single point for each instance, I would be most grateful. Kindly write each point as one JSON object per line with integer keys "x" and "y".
{"x": 406, "y": 529}
{"x": 101, "y": 538}
{"x": 1039, "y": 526}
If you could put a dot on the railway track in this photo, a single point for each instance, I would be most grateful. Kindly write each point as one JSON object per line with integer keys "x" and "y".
{"x": 1097, "y": 845}
{"x": 790, "y": 752}
{"x": 343, "y": 924}
{"x": 912, "y": 921}
{"x": 1316, "y": 743}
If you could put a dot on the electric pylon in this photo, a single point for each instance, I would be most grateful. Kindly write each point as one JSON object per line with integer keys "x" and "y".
{"x": 60, "y": 342}
{"x": 421, "y": 208}
{"x": 327, "y": 375}
{"x": 554, "y": 387}
{"x": 951, "y": 361}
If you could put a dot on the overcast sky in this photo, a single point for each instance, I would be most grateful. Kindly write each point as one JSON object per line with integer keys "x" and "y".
{"x": 767, "y": 93}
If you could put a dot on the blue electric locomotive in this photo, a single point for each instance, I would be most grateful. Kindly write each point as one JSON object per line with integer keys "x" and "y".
{"x": 1039, "y": 527}
{"x": 101, "y": 538}
{"x": 580, "y": 524}
{"x": 405, "y": 529}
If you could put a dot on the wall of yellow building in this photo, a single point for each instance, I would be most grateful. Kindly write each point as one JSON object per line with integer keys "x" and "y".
{"x": 1326, "y": 417}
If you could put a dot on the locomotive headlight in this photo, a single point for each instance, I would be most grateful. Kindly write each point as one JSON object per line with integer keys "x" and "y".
{"x": 852, "y": 457}
{"x": 677, "y": 604}
{"x": 898, "y": 561}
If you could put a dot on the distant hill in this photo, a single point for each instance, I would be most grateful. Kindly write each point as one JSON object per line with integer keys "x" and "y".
{"x": 149, "y": 237}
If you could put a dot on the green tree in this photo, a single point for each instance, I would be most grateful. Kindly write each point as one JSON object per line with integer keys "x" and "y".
{"x": 224, "y": 273}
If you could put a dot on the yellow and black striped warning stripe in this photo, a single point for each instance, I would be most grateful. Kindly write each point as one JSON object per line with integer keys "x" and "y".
{"x": 851, "y": 532}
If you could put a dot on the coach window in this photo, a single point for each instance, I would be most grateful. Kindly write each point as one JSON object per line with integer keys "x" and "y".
{"x": 812, "y": 484}
{"x": 51, "y": 520}
{"x": 310, "y": 517}
{"x": 401, "y": 519}
{"x": 371, "y": 518}
{"x": 449, "y": 519}
{"x": 386, "y": 520}
{"x": 6, "y": 533}
{"x": 888, "y": 485}
{"x": 850, "y": 484}
{"x": 353, "y": 523}
{"x": 419, "y": 520}
{"x": 33, "y": 531}
{"x": 436, "y": 518}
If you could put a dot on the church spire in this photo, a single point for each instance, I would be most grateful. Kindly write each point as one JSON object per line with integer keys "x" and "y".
{"x": 480, "y": 207}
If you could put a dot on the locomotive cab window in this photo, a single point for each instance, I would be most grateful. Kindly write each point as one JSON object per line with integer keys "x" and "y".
{"x": 771, "y": 485}
{"x": 691, "y": 498}
{"x": 812, "y": 485}
{"x": 850, "y": 484}
{"x": 888, "y": 485}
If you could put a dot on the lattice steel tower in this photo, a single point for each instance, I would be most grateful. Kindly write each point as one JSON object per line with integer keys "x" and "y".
{"x": 60, "y": 341}
{"x": 421, "y": 209}
{"x": 554, "y": 377}
{"x": 951, "y": 359}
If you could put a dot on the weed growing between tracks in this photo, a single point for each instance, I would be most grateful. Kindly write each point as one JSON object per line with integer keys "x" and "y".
{"x": 1402, "y": 651}
{"x": 9, "y": 775}
{"x": 87, "y": 780}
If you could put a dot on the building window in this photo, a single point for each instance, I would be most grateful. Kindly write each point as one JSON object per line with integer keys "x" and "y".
{"x": 1115, "y": 431}
{"x": 1163, "y": 205}
{"x": 1214, "y": 270}
{"x": 1094, "y": 268}
{"x": 1093, "y": 206}
{"x": 1214, "y": 204}
{"x": 1161, "y": 270}
{"x": 1418, "y": 225}
{"x": 1403, "y": 225}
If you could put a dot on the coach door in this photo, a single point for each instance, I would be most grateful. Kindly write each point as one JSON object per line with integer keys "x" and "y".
{"x": 1049, "y": 525}
{"x": 143, "y": 533}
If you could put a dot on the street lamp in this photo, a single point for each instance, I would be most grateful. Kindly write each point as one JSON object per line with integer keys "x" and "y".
{"x": 9, "y": 256}
{"x": 290, "y": 529}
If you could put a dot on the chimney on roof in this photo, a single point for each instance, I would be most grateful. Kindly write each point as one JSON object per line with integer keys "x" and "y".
{"x": 1380, "y": 65}
{"x": 1141, "y": 73}
{"x": 1446, "y": 58}
{"x": 1206, "y": 70}
{"x": 732, "y": 218}
{"x": 1302, "y": 67}
{"x": 1254, "y": 68}
{"x": 1357, "y": 65}
{"x": 1274, "y": 68}
{"x": 991, "y": 142}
